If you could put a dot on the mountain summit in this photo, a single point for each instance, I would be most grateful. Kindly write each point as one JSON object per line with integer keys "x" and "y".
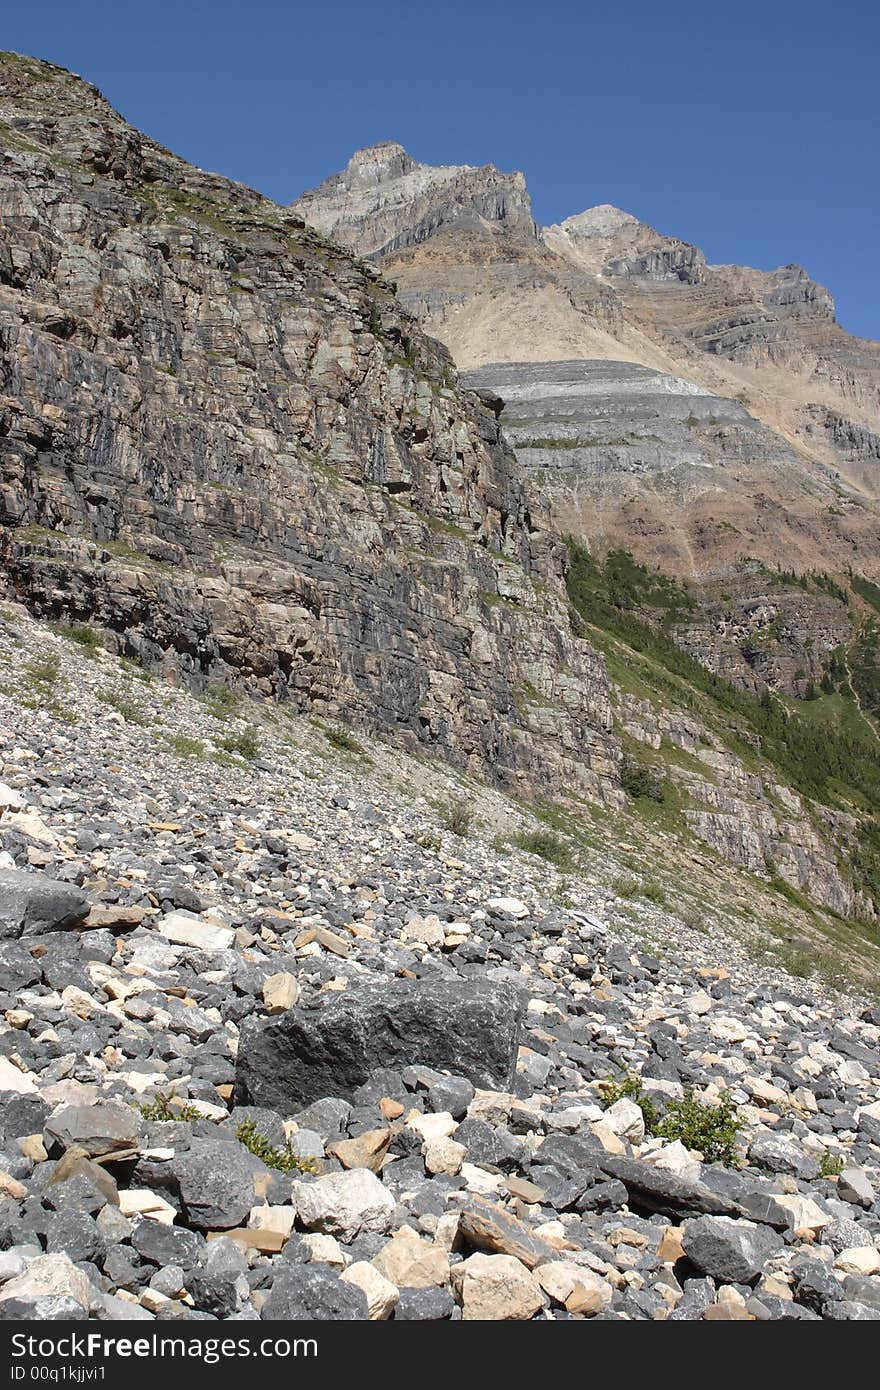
{"x": 384, "y": 201}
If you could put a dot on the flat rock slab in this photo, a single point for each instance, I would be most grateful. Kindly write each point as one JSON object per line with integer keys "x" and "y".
{"x": 655, "y": 1189}
{"x": 102, "y": 1129}
{"x": 469, "y": 1027}
{"x": 191, "y": 931}
{"x": 487, "y": 1226}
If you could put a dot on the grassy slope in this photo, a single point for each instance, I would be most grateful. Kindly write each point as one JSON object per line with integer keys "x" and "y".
{"x": 825, "y": 747}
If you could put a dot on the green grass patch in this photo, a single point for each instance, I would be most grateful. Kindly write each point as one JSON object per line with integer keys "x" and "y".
{"x": 184, "y": 746}
{"x": 342, "y": 740}
{"x": 546, "y": 845}
{"x": 165, "y": 1107}
{"x": 245, "y": 744}
{"x": 283, "y": 1159}
{"x": 81, "y": 635}
{"x": 131, "y": 713}
{"x": 221, "y": 700}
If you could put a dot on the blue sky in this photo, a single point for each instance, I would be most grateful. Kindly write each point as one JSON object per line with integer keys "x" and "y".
{"x": 750, "y": 129}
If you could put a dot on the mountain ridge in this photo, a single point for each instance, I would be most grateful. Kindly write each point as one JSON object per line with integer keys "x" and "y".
{"x": 601, "y": 285}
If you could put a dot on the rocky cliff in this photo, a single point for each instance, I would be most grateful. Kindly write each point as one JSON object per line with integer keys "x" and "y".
{"x": 225, "y": 442}
{"x": 625, "y": 455}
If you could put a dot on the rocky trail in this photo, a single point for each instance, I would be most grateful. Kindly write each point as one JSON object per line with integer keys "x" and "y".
{"x": 277, "y": 1043}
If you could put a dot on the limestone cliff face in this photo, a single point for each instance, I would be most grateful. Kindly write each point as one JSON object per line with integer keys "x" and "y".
{"x": 384, "y": 201}
{"x": 222, "y": 439}
{"x": 747, "y": 818}
{"x": 625, "y": 455}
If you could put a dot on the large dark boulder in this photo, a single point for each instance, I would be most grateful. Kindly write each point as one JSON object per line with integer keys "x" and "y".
{"x": 18, "y": 969}
{"x": 32, "y": 904}
{"x": 302, "y": 1293}
{"x": 471, "y": 1028}
{"x": 733, "y": 1252}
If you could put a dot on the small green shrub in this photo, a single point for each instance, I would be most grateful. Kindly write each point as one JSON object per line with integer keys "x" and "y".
{"x": 639, "y": 781}
{"x": 800, "y": 964}
{"x": 246, "y": 744}
{"x": 83, "y": 635}
{"x": 428, "y": 840}
{"x": 547, "y": 846}
{"x": 185, "y": 746}
{"x": 830, "y": 1165}
{"x": 283, "y": 1159}
{"x": 626, "y": 887}
{"x": 43, "y": 671}
{"x": 630, "y": 1088}
{"x": 344, "y": 741}
{"x": 456, "y": 816}
{"x": 221, "y": 700}
{"x": 127, "y": 708}
{"x": 712, "y": 1129}
{"x": 161, "y": 1108}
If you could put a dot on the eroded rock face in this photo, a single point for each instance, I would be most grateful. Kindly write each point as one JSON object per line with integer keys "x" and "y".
{"x": 226, "y": 443}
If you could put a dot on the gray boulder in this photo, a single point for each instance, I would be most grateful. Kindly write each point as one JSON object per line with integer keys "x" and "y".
{"x": 215, "y": 1179}
{"x": 18, "y": 969}
{"x": 469, "y": 1027}
{"x": 734, "y": 1252}
{"x": 306, "y": 1292}
{"x": 32, "y": 904}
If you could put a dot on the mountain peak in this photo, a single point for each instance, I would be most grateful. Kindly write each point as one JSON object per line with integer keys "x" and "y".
{"x": 378, "y": 163}
{"x": 384, "y": 200}
{"x": 601, "y": 221}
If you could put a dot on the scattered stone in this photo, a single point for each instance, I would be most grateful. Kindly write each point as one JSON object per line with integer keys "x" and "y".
{"x": 33, "y": 904}
{"x": 48, "y": 1285}
{"x": 489, "y": 1227}
{"x": 280, "y": 992}
{"x": 301, "y": 1293}
{"x": 102, "y": 1130}
{"x": 215, "y": 1180}
{"x": 191, "y": 931}
{"x": 412, "y": 1263}
{"x": 366, "y": 1150}
{"x": 380, "y": 1293}
{"x": 345, "y": 1204}
{"x": 497, "y": 1288}
{"x": 119, "y": 1147}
